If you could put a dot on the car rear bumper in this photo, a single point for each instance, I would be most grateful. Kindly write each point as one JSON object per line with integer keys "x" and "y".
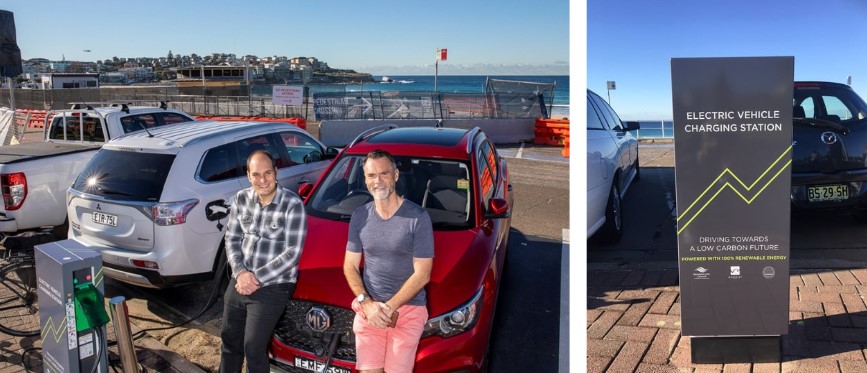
{"x": 8, "y": 224}
{"x": 855, "y": 179}
{"x": 117, "y": 264}
{"x": 150, "y": 278}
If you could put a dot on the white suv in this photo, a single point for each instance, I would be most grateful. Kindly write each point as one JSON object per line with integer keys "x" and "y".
{"x": 154, "y": 203}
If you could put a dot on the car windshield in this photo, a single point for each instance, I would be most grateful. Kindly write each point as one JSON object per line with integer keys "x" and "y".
{"x": 443, "y": 187}
{"x": 835, "y": 104}
{"x": 126, "y": 176}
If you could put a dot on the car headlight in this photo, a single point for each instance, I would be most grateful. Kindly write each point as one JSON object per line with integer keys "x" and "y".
{"x": 456, "y": 321}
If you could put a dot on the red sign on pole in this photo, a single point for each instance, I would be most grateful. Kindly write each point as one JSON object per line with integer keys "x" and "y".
{"x": 442, "y": 54}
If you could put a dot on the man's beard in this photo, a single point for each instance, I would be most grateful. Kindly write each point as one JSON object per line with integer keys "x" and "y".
{"x": 382, "y": 195}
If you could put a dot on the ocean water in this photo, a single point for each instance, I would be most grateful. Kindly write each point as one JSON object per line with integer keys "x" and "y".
{"x": 654, "y": 129}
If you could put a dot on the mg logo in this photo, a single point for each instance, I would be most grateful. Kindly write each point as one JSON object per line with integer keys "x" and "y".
{"x": 318, "y": 319}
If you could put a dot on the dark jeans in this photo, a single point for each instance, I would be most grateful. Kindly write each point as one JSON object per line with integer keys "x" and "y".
{"x": 248, "y": 321}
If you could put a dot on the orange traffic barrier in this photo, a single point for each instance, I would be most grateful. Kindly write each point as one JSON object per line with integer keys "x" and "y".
{"x": 551, "y": 131}
{"x": 30, "y": 117}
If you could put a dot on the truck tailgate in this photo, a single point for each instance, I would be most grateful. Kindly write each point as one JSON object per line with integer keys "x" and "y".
{"x": 36, "y": 150}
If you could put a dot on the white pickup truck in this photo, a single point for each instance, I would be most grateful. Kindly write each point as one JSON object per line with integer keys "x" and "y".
{"x": 34, "y": 176}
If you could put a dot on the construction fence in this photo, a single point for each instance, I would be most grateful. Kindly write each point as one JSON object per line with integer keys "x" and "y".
{"x": 501, "y": 100}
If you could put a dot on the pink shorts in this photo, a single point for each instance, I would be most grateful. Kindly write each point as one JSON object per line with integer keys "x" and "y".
{"x": 390, "y": 348}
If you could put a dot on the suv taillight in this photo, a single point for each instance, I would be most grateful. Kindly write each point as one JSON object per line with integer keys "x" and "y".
{"x": 14, "y": 189}
{"x": 170, "y": 213}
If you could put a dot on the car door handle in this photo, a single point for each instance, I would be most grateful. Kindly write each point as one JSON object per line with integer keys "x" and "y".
{"x": 302, "y": 181}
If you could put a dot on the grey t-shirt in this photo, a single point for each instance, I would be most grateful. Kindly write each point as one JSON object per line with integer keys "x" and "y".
{"x": 389, "y": 247}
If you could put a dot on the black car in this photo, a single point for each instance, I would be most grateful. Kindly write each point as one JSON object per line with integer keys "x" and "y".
{"x": 829, "y": 157}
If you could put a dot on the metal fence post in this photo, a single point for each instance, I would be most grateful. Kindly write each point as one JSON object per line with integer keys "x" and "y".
{"x": 120, "y": 320}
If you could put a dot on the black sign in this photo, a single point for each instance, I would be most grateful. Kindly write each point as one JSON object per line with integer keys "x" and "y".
{"x": 733, "y": 146}
{"x": 10, "y": 55}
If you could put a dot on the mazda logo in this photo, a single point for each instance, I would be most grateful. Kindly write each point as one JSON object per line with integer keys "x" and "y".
{"x": 829, "y": 138}
{"x": 318, "y": 319}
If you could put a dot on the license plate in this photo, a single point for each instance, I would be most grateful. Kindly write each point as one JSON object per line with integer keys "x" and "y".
{"x": 105, "y": 219}
{"x": 821, "y": 193}
{"x": 315, "y": 366}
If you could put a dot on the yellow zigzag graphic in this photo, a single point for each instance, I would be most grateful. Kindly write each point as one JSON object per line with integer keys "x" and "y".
{"x": 727, "y": 183}
{"x": 98, "y": 276}
{"x": 49, "y": 327}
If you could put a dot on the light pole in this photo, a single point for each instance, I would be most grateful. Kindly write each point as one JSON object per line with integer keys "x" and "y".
{"x": 442, "y": 54}
{"x": 204, "y": 104}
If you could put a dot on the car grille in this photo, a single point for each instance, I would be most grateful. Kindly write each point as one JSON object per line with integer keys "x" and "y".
{"x": 292, "y": 330}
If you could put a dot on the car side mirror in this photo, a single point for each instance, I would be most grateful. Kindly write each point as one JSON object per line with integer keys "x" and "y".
{"x": 498, "y": 208}
{"x": 216, "y": 210}
{"x": 633, "y": 126}
{"x": 314, "y": 156}
{"x": 331, "y": 153}
{"x": 304, "y": 189}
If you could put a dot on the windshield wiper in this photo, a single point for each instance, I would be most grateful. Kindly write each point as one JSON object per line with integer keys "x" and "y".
{"x": 343, "y": 217}
{"x": 109, "y": 191}
{"x": 445, "y": 224}
{"x": 823, "y": 123}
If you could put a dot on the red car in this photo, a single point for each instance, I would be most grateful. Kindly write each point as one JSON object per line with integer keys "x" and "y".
{"x": 464, "y": 184}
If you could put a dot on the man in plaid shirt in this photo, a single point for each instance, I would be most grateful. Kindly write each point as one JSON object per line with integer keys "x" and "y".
{"x": 264, "y": 237}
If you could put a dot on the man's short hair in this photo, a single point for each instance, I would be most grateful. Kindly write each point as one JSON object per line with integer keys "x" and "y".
{"x": 379, "y": 153}
{"x": 262, "y": 152}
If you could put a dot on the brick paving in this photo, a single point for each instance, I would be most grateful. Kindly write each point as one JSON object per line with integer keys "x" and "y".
{"x": 633, "y": 323}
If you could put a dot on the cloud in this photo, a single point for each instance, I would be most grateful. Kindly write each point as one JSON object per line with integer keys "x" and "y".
{"x": 556, "y": 68}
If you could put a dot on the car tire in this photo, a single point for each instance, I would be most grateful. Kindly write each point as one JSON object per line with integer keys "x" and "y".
{"x": 612, "y": 231}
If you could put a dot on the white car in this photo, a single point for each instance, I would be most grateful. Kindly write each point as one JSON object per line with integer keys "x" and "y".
{"x": 612, "y": 165}
{"x": 154, "y": 204}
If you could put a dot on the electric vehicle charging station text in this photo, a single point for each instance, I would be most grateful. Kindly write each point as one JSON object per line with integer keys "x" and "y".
{"x": 71, "y": 307}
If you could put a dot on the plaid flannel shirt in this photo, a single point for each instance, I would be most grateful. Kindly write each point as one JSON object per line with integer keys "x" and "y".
{"x": 266, "y": 240}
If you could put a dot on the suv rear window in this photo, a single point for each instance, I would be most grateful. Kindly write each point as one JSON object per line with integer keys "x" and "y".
{"x": 125, "y": 176}
{"x": 72, "y": 131}
{"x": 138, "y": 122}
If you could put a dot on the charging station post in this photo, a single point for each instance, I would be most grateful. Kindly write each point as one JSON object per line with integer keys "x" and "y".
{"x": 71, "y": 307}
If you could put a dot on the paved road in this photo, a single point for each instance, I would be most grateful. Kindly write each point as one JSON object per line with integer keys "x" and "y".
{"x": 528, "y": 311}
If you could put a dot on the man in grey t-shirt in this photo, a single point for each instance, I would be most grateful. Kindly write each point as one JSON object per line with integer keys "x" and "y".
{"x": 396, "y": 237}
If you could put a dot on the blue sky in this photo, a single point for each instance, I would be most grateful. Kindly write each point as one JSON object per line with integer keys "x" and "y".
{"x": 381, "y": 37}
{"x": 632, "y": 41}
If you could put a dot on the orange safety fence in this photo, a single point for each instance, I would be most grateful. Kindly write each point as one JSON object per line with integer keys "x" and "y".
{"x": 33, "y": 118}
{"x": 299, "y": 122}
{"x": 552, "y": 132}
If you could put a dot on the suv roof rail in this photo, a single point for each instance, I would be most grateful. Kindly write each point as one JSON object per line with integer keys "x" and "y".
{"x": 113, "y": 103}
{"x": 473, "y": 133}
{"x": 76, "y": 105}
{"x": 373, "y": 131}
